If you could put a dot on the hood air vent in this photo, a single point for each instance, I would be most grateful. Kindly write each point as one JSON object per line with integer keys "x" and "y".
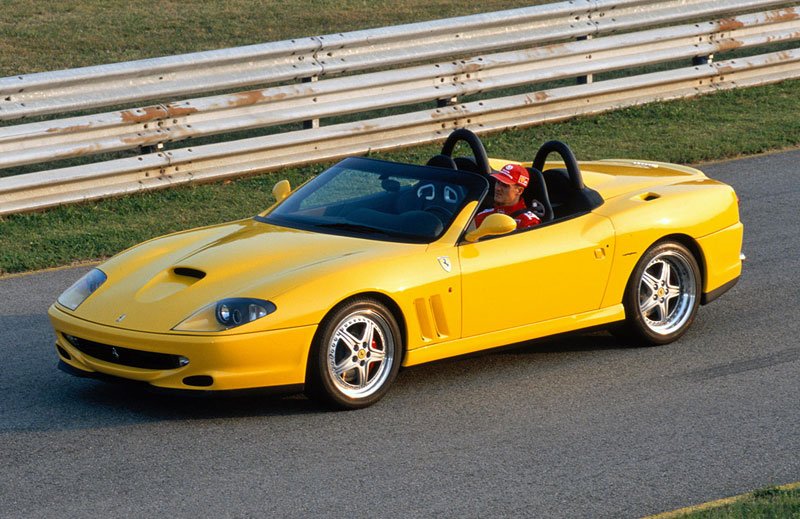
{"x": 189, "y": 272}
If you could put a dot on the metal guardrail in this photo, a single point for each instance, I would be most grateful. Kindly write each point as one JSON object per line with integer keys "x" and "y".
{"x": 128, "y": 129}
{"x": 325, "y": 56}
{"x": 119, "y": 83}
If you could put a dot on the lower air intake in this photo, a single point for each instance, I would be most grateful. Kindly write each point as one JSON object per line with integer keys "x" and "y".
{"x": 126, "y": 356}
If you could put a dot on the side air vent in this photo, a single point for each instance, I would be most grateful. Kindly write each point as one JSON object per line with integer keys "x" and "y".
{"x": 189, "y": 272}
{"x": 432, "y": 319}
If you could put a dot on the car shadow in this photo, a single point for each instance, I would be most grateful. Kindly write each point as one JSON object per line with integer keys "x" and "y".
{"x": 546, "y": 352}
{"x": 570, "y": 342}
{"x": 187, "y": 406}
{"x": 68, "y": 403}
{"x": 160, "y": 406}
{"x": 137, "y": 401}
{"x": 36, "y": 396}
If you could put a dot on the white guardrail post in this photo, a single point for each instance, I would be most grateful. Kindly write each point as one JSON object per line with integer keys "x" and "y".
{"x": 436, "y": 62}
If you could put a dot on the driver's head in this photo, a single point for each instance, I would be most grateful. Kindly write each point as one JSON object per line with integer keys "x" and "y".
{"x": 512, "y": 179}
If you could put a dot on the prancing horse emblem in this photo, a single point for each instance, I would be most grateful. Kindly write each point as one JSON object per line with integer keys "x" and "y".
{"x": 114, "y": 353}
{"x": 444, "y": 261}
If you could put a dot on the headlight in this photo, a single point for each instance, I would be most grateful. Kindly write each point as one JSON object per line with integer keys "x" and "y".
{"x": 226, "y": 314}
{"x": 83, "y": 288}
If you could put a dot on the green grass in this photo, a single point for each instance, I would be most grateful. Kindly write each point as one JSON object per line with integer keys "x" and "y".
{"x": 768, "y": 503}
{"x": 46, "y": 36}
{"x": 39, "y": 36}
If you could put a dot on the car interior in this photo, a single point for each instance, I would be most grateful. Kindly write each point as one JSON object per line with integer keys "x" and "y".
{"x": 561, "y": 191}
{"x": 426, "y": 207}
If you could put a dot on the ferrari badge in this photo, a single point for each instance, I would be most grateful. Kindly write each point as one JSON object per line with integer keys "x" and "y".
{"x": 444, "y": 261}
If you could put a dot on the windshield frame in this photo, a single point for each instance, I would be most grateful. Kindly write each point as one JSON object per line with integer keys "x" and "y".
{"x": 451, "y": 190}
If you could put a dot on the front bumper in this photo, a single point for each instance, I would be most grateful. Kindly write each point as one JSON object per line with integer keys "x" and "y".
{"x": 215, "y": 362}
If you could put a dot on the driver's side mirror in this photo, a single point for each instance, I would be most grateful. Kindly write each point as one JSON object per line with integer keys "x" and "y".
{"x": 494, "y": 224}
{"x": 281, "y": 190}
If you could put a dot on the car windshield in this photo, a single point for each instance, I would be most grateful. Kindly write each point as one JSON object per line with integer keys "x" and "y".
{"x": 380, "y": 200}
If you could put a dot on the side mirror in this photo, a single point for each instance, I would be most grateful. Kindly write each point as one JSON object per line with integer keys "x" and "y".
{"x": 493, "y": 225}
{"x": 281, "y": 190}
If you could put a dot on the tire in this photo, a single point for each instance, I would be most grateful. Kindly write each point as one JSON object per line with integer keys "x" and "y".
{"x": 355, "y": 355}
{"x": 662, "y": 295}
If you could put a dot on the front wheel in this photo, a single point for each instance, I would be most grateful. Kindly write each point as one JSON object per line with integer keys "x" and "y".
{"x": 662, "y": 295}
{"x": 355, "y": 355}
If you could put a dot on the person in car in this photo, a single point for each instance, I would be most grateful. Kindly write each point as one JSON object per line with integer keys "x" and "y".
{"x": 512, "y": 179}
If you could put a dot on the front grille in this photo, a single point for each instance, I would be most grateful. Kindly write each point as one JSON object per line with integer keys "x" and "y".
{"x": 126, "y": 356}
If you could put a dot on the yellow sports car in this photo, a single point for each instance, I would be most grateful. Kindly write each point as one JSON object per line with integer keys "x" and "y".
{"x": 374, "y": 265}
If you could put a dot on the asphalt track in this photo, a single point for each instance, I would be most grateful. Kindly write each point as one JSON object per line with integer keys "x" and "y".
{"x": 574, "y": 427}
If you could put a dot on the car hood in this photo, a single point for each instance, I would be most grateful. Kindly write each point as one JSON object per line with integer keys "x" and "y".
{"x": 156, "y": 285}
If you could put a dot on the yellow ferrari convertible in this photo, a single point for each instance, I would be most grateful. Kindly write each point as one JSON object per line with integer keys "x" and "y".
{"x": 374, "y": 265}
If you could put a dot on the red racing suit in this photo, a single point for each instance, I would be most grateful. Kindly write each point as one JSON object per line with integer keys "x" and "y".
{"x": 519, "y": 212}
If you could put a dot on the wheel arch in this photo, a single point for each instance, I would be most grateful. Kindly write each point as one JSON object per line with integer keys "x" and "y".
{"x": 321, "y": 385}
{"x": 386, "y": 301}
{"x": 691, "y": 244}
{"x": 393, "y": 307}
{"x": 615, "y": 291}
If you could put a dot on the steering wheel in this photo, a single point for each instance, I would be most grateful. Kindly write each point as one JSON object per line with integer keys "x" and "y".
{"x": 475, "y": 144}
{"x": 439, "y": 212}
{"x": 573, "y": 171}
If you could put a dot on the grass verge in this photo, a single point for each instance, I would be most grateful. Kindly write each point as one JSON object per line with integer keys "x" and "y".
{"x": 766, "y": 503}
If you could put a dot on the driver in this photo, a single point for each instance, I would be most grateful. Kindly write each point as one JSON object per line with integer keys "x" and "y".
{"x": 512, "y": 179}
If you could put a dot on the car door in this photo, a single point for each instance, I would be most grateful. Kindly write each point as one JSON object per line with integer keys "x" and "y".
{"x": 532, "y": 276}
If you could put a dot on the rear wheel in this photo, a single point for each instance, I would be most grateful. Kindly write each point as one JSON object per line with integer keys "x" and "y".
{"x": 662, "y": 295}
{"x": 355, "y": 355}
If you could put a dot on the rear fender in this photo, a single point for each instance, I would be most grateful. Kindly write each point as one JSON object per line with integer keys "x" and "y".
{"x": 695, "y": 210}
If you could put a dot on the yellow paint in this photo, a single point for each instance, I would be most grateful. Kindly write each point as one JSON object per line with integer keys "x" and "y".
{"x": 720, "y": 259}
{"x": 534, "y": 276}
{"x": 513, "y": 335}
{"x": 250, "y": 360}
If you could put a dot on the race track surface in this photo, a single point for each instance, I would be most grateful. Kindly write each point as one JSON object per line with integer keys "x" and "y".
{"x": 578, "y": 426}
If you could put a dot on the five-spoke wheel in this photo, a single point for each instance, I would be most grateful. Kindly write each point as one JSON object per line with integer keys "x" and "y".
{"x": 663, "y": 293}
{"x": 356, "y": 355}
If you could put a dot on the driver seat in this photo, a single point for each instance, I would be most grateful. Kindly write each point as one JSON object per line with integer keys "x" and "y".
{"x": 538, "y": 191}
